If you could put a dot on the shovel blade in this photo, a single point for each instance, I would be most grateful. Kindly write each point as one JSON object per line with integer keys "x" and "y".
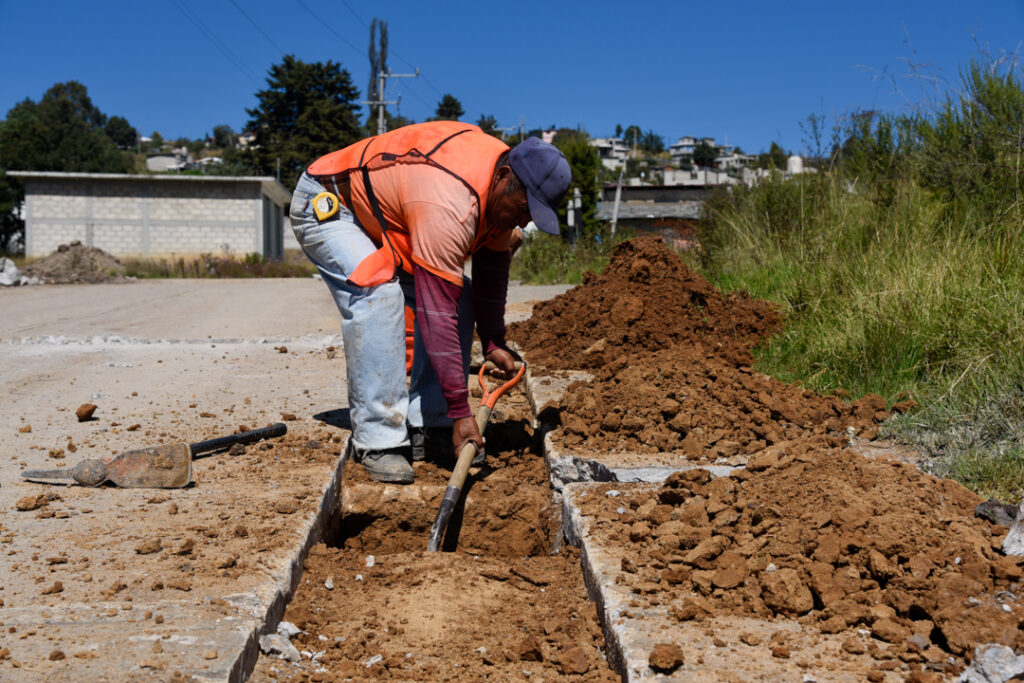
{"x": 157, "y": 467}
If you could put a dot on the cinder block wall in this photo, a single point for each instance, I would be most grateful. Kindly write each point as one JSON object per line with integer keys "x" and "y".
{"x": 146, "y": 217}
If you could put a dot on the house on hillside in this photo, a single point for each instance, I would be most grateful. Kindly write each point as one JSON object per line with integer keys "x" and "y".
{"x": 156, "y": 215}
{"x": 611, "y": 151}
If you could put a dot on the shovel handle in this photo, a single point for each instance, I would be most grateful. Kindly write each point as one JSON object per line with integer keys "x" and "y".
{"x": 210, "y": 445}
{"x": 466, "y": 455}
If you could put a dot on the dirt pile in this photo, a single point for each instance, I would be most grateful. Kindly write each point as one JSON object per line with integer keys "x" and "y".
{"x": 646, "y": 298}
{"x": 375, "y": 605}
{"x": 818, "y": 533}
{"x": 671, "y": 360}
{"x": 688, "y": 401}
{"x": 76, "y": 263}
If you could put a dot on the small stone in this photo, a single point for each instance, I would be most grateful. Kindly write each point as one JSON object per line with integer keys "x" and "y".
{"x": 85, "y": 411}
{"x": 854, "y": 646}
{"x": 573, "y": 661}
{"x": 889, "y": 631}
{"x": 148, "y": 547}
{"x": 29, "y": 503}
{"x": 329, "y": 583}
{"x": 241, "y": 531}
{"x": 186, "y": 547}
{"x": 286, "y": 507}
{"x": 529, "y": 650}
{"x": 57, "y": 587}
{"x": 780, "y": 652}
{"x": 210, "y": 654}
{"x": 750, "y": 639}
{"x": 237, "y": 449}
{"x": 278, "y": 646}
{"x": 25, "y": 429}
{"x": 56, "y": 655}
{"x": 288, "y": 629}
{"x": 370, "y": 561}
{"x": 227, "y": 562}
{"x": 665, "y": 658}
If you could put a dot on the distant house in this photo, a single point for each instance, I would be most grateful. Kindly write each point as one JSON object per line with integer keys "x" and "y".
{"x": 155, "y": 215}
{"x": 612, "y": 151}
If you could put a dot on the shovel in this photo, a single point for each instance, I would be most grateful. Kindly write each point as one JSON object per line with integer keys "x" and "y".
{"x": 156, "y": 467}
{"x": 466, "y": 455}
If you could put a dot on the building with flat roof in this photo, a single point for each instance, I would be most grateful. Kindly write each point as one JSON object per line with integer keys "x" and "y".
{"x": 156, "y": 215}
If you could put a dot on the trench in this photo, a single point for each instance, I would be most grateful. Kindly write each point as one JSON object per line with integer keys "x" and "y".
{"x": 507, "y": 601}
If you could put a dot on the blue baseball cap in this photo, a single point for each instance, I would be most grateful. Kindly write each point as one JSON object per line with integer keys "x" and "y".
{"x": 545, "y": 173}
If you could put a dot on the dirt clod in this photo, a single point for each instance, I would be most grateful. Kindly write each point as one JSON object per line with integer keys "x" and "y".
{"x": 665, "y": 658}
{"x": 85, "y": 411}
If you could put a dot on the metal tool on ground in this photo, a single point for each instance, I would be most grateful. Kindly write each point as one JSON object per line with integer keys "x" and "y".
{"x": 468, "y": 452}
{"x": 160, "y": 467}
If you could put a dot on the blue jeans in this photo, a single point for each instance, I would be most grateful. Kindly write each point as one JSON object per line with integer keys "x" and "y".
{"x": 381, "y": 404}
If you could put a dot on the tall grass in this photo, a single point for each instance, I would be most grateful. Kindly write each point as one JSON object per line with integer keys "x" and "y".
{"x": 547, "y": 259}
{"x": 225, "y": 266}
{"x": 900, "y": 267}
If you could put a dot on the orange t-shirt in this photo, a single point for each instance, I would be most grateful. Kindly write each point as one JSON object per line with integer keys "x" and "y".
{"x": 440, "y": 212}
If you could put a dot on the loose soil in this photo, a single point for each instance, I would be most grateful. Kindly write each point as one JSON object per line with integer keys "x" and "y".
{"x": 809, "y": 531}
{"x": 76, "y": 263}
{"x": 501, "y": 606}
{"x": 671, "y": 362}
{"x": 822, "y": 535}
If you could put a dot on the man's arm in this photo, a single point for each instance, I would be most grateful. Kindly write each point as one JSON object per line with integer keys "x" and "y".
{"x": 490, "y": 290}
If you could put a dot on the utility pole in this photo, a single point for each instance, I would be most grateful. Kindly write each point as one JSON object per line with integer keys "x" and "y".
{"x": 505, "y": 132}
{"x": 618, "y": 190}
{"x": 380, "y": 103}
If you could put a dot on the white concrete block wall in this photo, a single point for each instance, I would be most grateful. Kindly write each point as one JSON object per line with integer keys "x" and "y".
{"x": 147, "y": 217}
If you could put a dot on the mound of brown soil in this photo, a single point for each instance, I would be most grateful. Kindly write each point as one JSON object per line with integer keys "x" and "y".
{"x": 76, "y": 264}
{"x": 687, "y": 399}
{"x": 646, "y": 298}
{"x": 823, "y": 534}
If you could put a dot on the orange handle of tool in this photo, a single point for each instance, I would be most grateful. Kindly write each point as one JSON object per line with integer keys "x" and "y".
{"x": 491, "y": 397}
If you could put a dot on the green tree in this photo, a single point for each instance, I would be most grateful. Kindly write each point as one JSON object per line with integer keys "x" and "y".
{"x": 224, "y": 137}
{"x": 64, "y": 131}
{"x": 449, "y": 109}
{"x": 121, "y": 132}
{"x": 307, "y": 110}
{"x": 585, "y": 164}
{"x": 652, "y": 143}
{"x": 704, "y": 154}
{"x": 618, "y": 130}
{"x": 156, "y": 143}
{"x": 775, "y": 157}
{"x": 489, "y": 125}
{"x": 632, "y": 134}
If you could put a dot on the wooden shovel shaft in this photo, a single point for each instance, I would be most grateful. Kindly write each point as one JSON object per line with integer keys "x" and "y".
{"x": 455, "y": 483}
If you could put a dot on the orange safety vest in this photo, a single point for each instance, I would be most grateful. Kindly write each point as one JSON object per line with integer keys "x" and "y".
{"x": 462, "y": 150}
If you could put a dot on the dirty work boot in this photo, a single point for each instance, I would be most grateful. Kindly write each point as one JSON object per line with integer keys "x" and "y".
{"x": 388, "y": 466}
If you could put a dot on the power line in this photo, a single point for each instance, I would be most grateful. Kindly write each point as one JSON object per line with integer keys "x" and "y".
{"x": 225, "y": 50}
{"x": 328, "y": 27}
{"x": 257, "y": 27}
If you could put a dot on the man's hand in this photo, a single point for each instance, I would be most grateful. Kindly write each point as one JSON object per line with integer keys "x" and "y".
{"x": 505, "y": 363}
{"x": 464, "y": 431}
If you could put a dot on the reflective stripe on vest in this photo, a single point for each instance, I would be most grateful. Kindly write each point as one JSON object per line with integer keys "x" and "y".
{"x": 462, "y": 150}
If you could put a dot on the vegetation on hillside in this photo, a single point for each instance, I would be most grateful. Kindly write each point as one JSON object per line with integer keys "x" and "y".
{"x": 899, "y": 268}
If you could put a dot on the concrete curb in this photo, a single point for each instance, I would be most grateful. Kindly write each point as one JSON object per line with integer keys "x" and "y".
{"x": 269, "y": 606}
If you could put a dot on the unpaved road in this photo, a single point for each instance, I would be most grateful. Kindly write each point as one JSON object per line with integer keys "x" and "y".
{"x": 164, "y": 361}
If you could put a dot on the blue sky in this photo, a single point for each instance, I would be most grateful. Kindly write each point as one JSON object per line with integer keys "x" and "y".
{"x": 745, "y": 71}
